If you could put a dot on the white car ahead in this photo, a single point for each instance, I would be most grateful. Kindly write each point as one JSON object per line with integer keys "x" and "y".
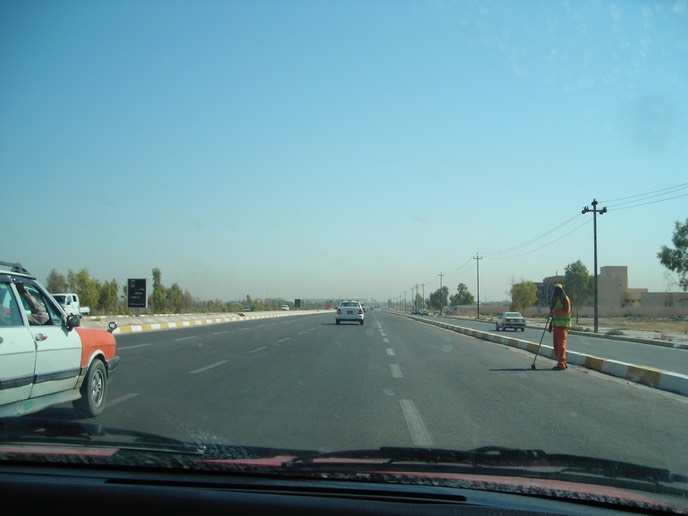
{"x": 350, "y": 311}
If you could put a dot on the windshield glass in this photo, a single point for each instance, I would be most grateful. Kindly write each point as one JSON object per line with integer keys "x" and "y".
{"x": 218, "y": 178}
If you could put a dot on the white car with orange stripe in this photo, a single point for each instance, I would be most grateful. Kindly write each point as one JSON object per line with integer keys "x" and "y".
{"x": 45, "y": 357}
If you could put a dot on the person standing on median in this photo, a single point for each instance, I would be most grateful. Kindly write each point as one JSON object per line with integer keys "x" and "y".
{"x": 560, "y": 309}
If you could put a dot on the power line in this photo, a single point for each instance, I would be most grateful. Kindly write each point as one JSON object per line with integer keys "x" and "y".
{"x": 561, "y": 237}
{"x": 508, "y": 249}
{"x": 669, "y": 189}
{"x": 646, "y": 203}
{"x": 638, "y": 200}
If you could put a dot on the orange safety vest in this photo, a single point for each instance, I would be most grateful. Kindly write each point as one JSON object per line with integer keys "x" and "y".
{"x": 561, "y": 314}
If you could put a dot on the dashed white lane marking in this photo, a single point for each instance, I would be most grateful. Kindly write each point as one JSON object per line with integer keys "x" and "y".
{"x": 135, "y": 346}
{"x": 186, "y": 338}
{"x": 391, "y": 352}
{"x": 419, "y": 434}
{"x": 284, "y": 339}
{"x": 396, "y": 371}
{"x": 257, "y": 349}
{"x": 211, "y": 366}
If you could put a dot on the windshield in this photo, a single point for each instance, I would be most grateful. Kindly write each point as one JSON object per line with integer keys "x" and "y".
{"x": 219, "y": 178}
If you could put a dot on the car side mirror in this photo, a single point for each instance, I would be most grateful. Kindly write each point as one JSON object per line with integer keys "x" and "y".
{"x": 73, "y": 321}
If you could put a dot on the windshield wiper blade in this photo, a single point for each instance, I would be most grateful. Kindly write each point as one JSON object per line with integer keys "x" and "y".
{"x": 46, "y": 432}
{"x": 491, "y": 457}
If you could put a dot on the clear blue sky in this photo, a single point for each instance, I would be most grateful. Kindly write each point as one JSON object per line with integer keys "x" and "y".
{"x": 341, "y": 148}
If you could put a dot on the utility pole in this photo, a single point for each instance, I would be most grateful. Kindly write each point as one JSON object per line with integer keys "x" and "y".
{"x": 594, "y": 211}
{"x": 440, "y": 275}
{"x": 423, "y": 285}
{"x": 477, "y": 259}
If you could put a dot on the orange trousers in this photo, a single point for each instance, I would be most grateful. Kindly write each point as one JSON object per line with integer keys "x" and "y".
{"x": 559, "y": 334}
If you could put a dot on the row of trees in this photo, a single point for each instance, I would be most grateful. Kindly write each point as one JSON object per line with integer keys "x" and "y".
{"x": 106, "y": 298}
{"x": 440, "y": 298}
{"x": 577, "y": 280}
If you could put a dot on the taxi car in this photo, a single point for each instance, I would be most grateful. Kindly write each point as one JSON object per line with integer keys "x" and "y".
{"x": 45, "y": 357}
{"x": 350, "y": 311}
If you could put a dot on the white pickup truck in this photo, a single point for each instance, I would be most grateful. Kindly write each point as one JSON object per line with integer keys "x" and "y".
{"x": 70, "y": 304}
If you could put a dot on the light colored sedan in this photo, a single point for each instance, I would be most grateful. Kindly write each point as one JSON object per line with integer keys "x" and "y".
{"x": 511, "y": 320}
{"x": 350, "y": 311}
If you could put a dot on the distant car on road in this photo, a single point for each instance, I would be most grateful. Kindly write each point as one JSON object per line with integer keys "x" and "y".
{"x": 511, "y": 320}
{"x": 350, "y": 311}
{"x": 285, "y": 307}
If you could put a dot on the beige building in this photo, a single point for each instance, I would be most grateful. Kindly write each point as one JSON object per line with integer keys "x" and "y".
{"x": 616, "y": 298}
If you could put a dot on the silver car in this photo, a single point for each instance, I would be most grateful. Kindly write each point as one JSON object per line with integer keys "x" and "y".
{"x": 511, "y": 320}
{"x": 350, "y": 311}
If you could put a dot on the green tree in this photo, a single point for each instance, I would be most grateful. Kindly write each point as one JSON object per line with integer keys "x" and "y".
{"x": 87, "y": 288}
{"x": 676, "y": 259}
{"x": 187, "y": 301}
{"x": 107, "y": 302}
{"x": 578, "y": 285}
{"x": 523, "y": 295}
{"x": 157, "y": 301}
{"x": 439, "y": 298}
{"x": 463, "y": 296}
{"x": 175, "y": 298}
{"x": 56, "y": 282}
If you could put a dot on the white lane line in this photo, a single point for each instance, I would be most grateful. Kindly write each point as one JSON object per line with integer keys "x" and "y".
{"x": 385, "y": 340}
{"x": 135, "y": 346}
{"x": 391, "y": 352}
{"x": 257, "y": 349}
{"x": 211, "y": 366}
{"x": 284, "y": 339}
{"x": 121, "y": 399}
{"x": 383, "y": 334}
{"x": 419, "y": 434}
{"x": 396, "y": 371}
{"x": 219, "y": 332}
{"x": 186, "y": 338}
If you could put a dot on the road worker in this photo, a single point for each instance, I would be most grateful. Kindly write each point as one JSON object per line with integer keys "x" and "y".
{"x": 560, "y": 308}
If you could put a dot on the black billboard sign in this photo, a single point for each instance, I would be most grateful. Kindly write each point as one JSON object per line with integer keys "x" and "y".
{"x": 136, "y": 293}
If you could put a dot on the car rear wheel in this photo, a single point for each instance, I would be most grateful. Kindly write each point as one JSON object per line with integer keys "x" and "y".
{"x": 93, "y": 391}
{"x": 361, "y": 322}
{"x": 337, "y": 321}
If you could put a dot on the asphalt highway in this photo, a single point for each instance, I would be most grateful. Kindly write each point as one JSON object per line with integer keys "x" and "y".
{"x": 303, "y": 382}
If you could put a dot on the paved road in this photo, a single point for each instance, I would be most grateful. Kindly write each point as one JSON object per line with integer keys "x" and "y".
{"x": 649, "y": 364}
{"x": 304, "y": 382}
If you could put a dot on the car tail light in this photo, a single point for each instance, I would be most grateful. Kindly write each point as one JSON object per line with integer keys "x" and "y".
{"x": 339, "y": 311}
{"x": 360, "y": 311}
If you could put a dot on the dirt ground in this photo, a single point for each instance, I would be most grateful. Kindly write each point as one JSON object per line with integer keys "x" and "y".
{"x": 673, "y": 330}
